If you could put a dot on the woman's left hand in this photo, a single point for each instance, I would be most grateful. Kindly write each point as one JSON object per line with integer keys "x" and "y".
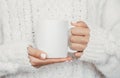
{"x": 39, "y": 58}
{"x": 80, "y": 37}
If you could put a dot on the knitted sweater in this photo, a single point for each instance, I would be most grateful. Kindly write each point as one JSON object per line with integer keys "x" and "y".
{"x": 99, "y": 60}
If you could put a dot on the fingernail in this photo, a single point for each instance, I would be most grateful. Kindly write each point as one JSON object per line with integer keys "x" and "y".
{"x": 43, "y": 56}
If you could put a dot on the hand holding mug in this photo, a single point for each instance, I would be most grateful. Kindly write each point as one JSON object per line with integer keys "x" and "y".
{"x": 39, "y": 58}
{"x": 80, "y": 37}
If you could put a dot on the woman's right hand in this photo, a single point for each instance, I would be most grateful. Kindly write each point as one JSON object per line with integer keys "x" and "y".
{"x": 39, "y": 58}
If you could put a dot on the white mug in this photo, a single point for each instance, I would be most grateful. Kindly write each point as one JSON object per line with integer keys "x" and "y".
{"x": 52, "y": 37}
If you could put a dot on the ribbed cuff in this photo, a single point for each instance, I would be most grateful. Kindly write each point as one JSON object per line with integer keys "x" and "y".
{"x": 96, "y": 48}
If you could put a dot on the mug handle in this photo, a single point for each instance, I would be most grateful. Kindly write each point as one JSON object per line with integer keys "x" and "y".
{"x": 69, "y": 31}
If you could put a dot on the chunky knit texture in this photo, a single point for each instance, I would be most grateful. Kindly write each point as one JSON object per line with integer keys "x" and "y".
{"x": 101, "y": 57}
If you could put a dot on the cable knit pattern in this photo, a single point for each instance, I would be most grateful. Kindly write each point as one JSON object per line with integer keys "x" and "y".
{"x": 19, "y": 17}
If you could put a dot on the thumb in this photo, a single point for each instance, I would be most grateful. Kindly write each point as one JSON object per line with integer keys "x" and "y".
{"x": 78, "y": 54}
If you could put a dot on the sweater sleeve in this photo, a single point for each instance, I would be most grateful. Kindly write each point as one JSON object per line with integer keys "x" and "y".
{"x": 103, "y": 49}
{"x": 13, "y": 55}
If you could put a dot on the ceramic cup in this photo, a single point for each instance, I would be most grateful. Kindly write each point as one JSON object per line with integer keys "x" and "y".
{"x": 52, "y": 37}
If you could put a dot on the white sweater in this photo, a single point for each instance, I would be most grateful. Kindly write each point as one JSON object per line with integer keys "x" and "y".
{"x": 101, "y": 57}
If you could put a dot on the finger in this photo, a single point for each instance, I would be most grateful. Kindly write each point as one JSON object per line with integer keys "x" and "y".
{"x": 77, "y": 47}
{"x": 79, "y": 24}
{"x": 37, "y": 62}
{"x": 80, "y": 31}
{"x": 78, "y": 54}
{"x": 34, "y": 61}
{"x": 56, "y": 60}
{"x": 37, "y": 53}
{"x": 79, "y": 39}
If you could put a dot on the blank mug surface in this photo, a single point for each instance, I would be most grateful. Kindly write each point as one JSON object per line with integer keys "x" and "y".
{"x": 51, "y": 36}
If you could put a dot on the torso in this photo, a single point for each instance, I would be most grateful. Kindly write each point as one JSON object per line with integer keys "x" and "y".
{"x": 20, "y": 16}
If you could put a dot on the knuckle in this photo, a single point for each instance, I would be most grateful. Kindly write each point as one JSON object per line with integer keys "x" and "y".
{"x": 72, "y": 39}
{"x": 80, "y": 47}
{"x": 73, "y": 30}
{"x": 86, "y": 41}
{"x": 73, "y": 46}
